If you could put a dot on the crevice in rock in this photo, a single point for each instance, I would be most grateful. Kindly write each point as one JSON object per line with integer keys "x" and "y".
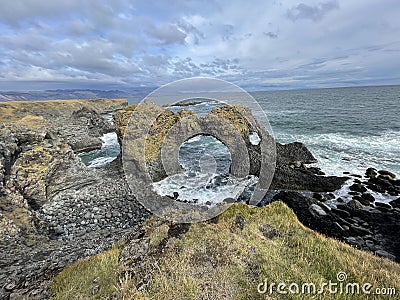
{"x": 32, "y": 203}
{"x": 8, "y": 163}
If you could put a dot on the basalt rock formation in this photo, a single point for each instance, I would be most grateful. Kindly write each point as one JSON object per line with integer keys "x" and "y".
{"x": 54, "y": 209}
{"x": 290, "y": 169}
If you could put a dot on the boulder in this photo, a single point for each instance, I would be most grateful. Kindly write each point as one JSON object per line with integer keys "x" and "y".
{"x": 357, "y": 187}
{"x": 368, "y": 197}
{"x": 293, "y": 153}
{"x": 395, "y": 203}
{"x": 387, "y": 174}
{"x": 286, "y": 178}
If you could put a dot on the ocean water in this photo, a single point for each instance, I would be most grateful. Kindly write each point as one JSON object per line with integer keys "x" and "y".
{"x": 347, "y": 130}
{"x": 109, "y": 151}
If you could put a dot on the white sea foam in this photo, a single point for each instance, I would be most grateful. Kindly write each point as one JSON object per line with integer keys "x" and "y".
{"x": 109, "y": 139}
{"x": 339, "y": 152}
{"x": 100, "y": 162}
{"x": 344, "y": 194}
{"x": 101, "y": 157}
{"x": 194, "y": 139}
{"x": 201, "y": 187}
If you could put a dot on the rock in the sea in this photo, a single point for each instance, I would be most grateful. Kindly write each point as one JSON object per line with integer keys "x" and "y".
{"x": 357, "y": 187}
{"x": 294, "y": 153}
{"x": 361, "y": 200}
{"x": 354, "y": 204}
{"x": 315, "y": 170}
{"x": 286, "y": 178}
{"x": 382, "y": 204}
{"x": 387, "y": 174}
{"x": 371, "y": 173}
{"x": 368, "y": 197}
{"x": 395, "y": 203}
{"x": 382, "y": 184}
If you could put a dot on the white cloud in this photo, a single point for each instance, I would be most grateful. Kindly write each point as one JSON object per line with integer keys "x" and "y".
{"x": 254, "y": 43}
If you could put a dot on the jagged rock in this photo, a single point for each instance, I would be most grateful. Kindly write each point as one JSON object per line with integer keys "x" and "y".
{"x": 292, "y": 153}
{"x": 316, "y": 209}
{"x": 286, "y": 178}
{"x": 383, "y": 184}
{"x": 361, "y": 200}
{"x": 48, "y": 197}
{"x": 382, "y": 204}
{"x": 368, "y": 197}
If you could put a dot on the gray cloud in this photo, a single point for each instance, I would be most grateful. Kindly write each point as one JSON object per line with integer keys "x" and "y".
{"x": 189, "y": 29}
{"x": 13, "y": 12}
{"x": 314, "y": 13}
{"x": 228, "y": 31}
{"x": 125, "y": 43}
{"x": 271, "y": 35}
{"x": 167, "y": 34}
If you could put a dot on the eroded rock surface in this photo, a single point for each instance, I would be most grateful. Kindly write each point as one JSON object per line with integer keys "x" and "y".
{"x": 291, "y": 171}
{"x": 55, "y": 210}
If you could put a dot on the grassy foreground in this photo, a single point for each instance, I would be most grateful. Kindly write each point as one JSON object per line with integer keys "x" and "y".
{"x": 229, "y": 260}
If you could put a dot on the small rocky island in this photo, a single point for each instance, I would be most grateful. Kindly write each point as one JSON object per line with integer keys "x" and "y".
{"x": 54, "y": 210}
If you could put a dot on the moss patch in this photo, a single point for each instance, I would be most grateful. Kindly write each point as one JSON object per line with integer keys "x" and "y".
{"x": 232, "y": 114}
{"x": 159, "y": 130}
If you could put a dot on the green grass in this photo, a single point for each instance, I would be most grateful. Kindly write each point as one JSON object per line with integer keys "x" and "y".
{"x": 80, "y": 280}
{"x": 221, "y": 261}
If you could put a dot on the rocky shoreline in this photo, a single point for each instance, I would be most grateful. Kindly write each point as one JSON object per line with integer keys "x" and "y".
{"x": 55, "y": 210}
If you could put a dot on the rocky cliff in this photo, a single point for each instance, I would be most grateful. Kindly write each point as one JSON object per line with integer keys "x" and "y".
{"x": 54, "y": 209}
{"x": 78, "y": 122}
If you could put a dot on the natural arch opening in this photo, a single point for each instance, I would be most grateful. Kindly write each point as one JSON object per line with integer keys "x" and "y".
{"x": 204, "y": 154}
{"x": 206, "y": 179}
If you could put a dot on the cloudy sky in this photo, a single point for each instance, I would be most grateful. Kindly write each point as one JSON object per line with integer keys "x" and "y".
{"x": 50, "y": 44}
